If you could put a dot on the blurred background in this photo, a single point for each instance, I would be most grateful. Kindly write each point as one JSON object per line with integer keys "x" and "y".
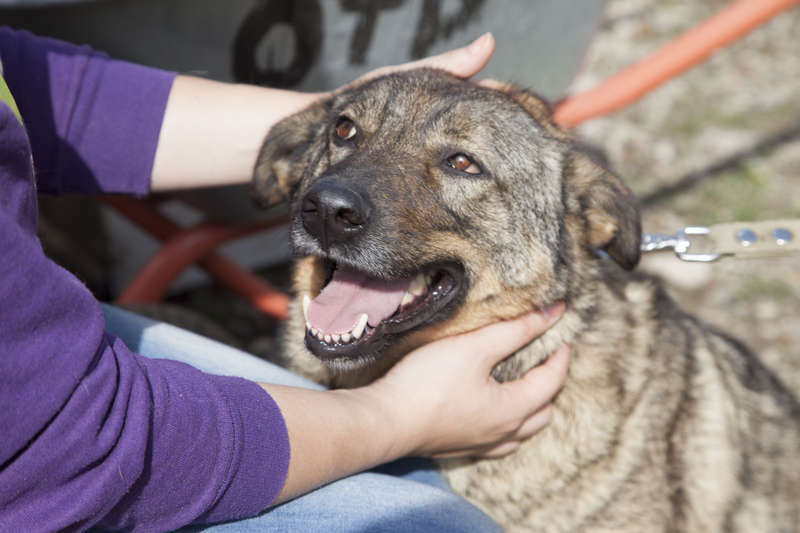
{"x": 746, "y": 95}
{"x": 720, "y": 143}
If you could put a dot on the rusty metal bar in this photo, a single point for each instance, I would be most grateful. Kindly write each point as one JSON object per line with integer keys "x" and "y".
{"x": 186, "y": 246}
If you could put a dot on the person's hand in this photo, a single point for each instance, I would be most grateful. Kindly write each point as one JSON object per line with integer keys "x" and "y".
{"x": 462, "y": 62}
{"x": 445, "y": 397}
{"x": 439, "y": 401}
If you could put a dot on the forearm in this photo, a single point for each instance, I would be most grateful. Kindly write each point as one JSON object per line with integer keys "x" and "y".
{"x": 212, "y": 131}
{"x": 333, "y": 434}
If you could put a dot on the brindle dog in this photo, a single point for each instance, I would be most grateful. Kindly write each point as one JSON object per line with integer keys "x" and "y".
{"x": 423, "y": 206}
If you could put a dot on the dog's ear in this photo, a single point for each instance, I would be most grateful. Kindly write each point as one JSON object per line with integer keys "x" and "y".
{"x": 537, "y": 107}
{"x": 288, "y": 148}
{"x": 609, "y": 209}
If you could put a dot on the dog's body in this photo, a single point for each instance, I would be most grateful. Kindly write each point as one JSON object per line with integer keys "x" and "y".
{"x": 663, "y": 424}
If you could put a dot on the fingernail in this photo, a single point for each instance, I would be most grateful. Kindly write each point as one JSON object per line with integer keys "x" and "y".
{"x": 480, "y": 42}
{"x": 553, "y": 311}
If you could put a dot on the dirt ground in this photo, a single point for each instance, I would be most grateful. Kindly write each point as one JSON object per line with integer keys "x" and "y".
{"x": 742, "y": 95}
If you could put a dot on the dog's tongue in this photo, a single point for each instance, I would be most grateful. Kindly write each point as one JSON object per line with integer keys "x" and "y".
{"x": 350, "y": 294}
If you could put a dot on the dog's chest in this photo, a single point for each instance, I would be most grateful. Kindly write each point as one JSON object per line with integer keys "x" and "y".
{"x": 592, "y": 467}
{"x": 572, "y": 476}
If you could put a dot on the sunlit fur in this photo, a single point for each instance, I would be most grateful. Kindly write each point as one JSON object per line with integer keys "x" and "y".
{"x": 663, "y": 424}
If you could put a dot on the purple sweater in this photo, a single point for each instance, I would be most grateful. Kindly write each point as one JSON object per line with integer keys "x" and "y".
{"x": 91, "y": 433}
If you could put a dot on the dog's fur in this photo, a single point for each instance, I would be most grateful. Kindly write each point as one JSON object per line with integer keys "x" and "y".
{"x": 663, "y": 424}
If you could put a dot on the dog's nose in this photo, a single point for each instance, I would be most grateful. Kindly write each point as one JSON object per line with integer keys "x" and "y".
{"x": 334, "y": 213}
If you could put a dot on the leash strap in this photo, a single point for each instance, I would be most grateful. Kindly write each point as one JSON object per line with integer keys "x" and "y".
{"x": 766, "y": 238}
{"x": 757, "y": 239}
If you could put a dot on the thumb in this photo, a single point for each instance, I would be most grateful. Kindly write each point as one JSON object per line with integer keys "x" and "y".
{"x": 495, "y": 342}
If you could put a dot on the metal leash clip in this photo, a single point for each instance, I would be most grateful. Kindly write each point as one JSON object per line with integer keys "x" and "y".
{"x": 680, "y": 242}
{"x": 744, "y": 240}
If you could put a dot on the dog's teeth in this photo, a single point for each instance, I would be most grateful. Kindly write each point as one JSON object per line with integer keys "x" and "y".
{"x": 306, "y": 303}
{"x": 359, "y": 329}
{"x": 407, "y": 298}
{"x": 319, "y": 335}
{"x": 346, "y": 337}
{"x": 327, "y": 339}
{"x": 335, "y": 337}
{"x": 418, "y": 285}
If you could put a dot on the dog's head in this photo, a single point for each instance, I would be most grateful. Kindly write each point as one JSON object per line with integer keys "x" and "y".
{"x": 422, "y": 205}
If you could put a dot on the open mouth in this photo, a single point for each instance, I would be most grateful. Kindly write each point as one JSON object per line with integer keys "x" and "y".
{"x": 356, "y": 315}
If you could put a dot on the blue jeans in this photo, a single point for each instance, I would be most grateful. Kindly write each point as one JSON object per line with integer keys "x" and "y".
{"x": 407, "y": 495}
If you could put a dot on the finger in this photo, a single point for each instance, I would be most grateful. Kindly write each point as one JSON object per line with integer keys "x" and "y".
{"x": 453, "y": 455}
{"x": 462, "y": 62}
{"x": 494, "y": 450}
{"x": 490, "y": 83}
{"x": 538, "y": 386}
{"x": 535, "y": 423}
{"x": 500, "y": 450}
{"x": 473, "y": 451}
{"x": 488, "y": 452}
{"x": 495, "y": 342}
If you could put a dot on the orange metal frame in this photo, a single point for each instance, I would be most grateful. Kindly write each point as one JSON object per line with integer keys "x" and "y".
{"x": 183, "y": 247}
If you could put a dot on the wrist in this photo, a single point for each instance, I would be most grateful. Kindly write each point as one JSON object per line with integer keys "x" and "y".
{"x": 333, "y": 434}
{"x": 397, "y": 422}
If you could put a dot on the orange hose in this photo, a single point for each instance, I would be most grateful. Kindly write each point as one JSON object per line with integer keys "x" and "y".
{"x": 197, "y": 243}
{"x": 678, "y": 55}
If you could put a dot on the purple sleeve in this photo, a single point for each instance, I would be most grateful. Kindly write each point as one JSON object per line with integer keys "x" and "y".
{"x": 93, "y": 122}
{"x": 92, "y": 433}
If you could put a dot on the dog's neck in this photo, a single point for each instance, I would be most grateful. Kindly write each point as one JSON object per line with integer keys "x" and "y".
{"x": 566, "y": 330}
{"x": 579, "y": 319}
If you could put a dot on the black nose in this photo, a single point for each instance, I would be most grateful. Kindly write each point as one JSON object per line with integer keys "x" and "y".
{"x": 334, "y": 213}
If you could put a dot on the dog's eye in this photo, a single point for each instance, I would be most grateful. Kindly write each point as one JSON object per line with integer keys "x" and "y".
{"x": 463, "y": 163}
{"x": 345, "y": 129}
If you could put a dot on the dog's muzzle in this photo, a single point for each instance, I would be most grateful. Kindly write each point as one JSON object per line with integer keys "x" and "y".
{"x": 334, "y": 213}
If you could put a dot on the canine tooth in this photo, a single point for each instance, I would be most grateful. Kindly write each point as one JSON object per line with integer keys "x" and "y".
{"x": 407, "y": 298}
{"x": 327, "y": 339}
{"x": 346, "y": 338}
{"x": 359, "y": 329}
{"x": 319, "y": 335}
{"x": 418, "y": 285}
{"x": 306, "y": 303}
{"x": 335, "y": 337}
